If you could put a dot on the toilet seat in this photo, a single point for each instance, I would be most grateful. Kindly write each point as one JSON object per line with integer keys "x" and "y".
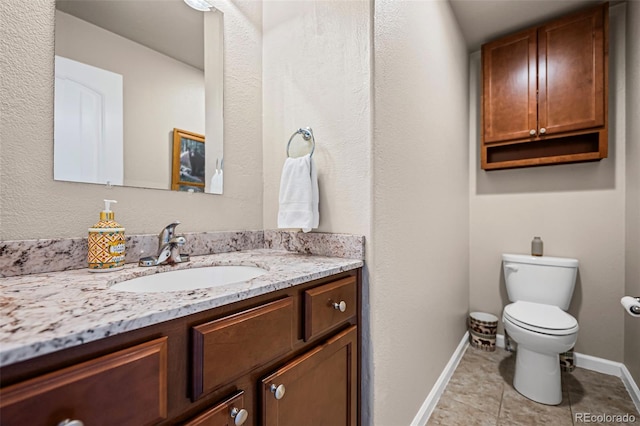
{"x": 541, "y": 318}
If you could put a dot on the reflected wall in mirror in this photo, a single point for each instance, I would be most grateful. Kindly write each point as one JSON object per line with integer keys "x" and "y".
{"x": 127, "y": 74}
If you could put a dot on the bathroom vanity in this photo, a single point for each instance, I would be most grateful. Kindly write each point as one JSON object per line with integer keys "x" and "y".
{"x": 279, "y": 349}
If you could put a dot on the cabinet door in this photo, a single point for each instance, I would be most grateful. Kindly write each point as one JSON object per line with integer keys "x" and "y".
{"x": 230, "y": 412}
{"x": 128, "y": 387}
{"x": 509, "y": 110}
{"x": 317, "y": 389}
{"x": 572, "y": 72}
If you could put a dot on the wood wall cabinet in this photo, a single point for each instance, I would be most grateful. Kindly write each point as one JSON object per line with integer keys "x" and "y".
{"x": 544, "y": 93}
{"x": 213, "y": 368}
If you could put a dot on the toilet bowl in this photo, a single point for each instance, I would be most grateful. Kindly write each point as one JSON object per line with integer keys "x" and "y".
{"x": 540, "y": 289}
{"x": 542, "y": 332}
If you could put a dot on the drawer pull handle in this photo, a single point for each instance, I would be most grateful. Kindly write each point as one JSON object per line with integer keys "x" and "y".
{"x": 239, "y": 416}
{"x": 278, "y": 391}
{"x": 532, "y": 132}
{"x": 69, "y": 422}
{"x": 342, "y": 306}
{"x": 543, "y": 131}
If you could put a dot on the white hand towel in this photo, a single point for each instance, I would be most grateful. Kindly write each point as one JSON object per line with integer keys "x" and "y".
{"x": 299, "y": 195}
{"x": 216, "y": 183}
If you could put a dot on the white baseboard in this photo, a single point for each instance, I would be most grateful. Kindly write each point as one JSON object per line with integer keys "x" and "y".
{"x": 430, "y": 403}
{"x": 599, "y": 365}
{"x": 631, "y": 386}
{"x": 611, "y": 368}
{"x": 500, "y": 341}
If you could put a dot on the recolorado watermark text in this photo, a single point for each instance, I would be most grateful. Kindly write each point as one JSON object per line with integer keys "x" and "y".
{"x": 604, "y": 418}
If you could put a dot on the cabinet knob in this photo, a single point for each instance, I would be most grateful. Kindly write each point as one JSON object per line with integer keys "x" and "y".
{"x": 239, "y": 416}
{"x": 543, "y": 130}
{"x": 69, "y": 422}
{"x": 532, "y": 132}
{"x": 278, "y": 391}
{"x": 342, "y": 306}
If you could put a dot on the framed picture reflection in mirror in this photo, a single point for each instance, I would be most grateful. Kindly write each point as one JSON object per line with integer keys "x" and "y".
{"x": 188, "y": 161}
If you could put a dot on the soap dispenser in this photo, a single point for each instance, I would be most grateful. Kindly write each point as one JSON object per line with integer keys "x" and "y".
{"x": 106, "y": 242}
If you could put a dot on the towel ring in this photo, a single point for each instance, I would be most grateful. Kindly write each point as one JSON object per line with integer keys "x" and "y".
{"x": 307, "y": 134}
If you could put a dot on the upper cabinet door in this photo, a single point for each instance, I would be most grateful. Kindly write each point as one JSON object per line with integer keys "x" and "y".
{"x": 509, "y": 92}
{"x": 571, "y": 55}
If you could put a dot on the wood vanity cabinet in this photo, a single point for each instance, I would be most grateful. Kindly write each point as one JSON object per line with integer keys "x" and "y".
{"x": 245, "y": 340}
{"x": 213, "y": 368}
{"x": 125, "y": 387}
{"x": 544, "y": 93}
{"x": 317, "y": 388}
{"x": 226, "y": 413}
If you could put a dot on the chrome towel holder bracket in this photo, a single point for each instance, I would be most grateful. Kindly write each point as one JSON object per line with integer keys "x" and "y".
{"x": 307, "y": 135}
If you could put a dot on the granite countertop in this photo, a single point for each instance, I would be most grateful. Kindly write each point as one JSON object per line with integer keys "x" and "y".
{"x": 47, "y": 312}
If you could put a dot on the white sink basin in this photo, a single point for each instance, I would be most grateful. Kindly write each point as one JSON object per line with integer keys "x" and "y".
{"x": 190, "y": 279}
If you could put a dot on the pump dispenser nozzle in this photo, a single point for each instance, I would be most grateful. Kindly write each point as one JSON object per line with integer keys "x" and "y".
{"x": 107, "y": 204}
{"x": 107, "y": 214}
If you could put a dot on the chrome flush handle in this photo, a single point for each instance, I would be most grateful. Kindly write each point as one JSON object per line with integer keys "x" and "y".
{"x": 510, "y": 267}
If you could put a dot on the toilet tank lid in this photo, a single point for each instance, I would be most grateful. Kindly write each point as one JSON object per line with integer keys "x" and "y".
{"x": 540, "y": 260}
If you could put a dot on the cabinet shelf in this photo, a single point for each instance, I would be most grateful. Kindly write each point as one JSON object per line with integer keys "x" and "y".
{"x": 541, "y": 152}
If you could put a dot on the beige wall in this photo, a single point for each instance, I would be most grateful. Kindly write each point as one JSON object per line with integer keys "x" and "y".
{"x": 632, "y": 325}
{"x": 34, "y": 206}
{"x": 419, "y": 266}
{"x": 316, "y": 73}
{"x": 577, "y": 209}
{"x": 160, "y": 93}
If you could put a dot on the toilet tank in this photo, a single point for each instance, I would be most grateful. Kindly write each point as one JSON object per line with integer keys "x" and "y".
{"x": 540, "y": 279}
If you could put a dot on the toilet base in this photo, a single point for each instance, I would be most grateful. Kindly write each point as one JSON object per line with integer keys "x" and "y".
{"x": 537, "y": 376}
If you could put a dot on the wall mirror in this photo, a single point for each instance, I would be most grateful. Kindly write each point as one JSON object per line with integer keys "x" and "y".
{"x": 129, "y": 75}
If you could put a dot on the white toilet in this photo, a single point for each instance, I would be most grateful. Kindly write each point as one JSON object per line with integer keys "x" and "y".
{"x": 540, "y": 288}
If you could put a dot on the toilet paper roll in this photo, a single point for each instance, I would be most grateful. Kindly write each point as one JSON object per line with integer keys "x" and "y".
{"x": 631, "y": 305}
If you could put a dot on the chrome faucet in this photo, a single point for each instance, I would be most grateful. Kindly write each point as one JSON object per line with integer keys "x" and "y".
{"x": 168, "y": 248}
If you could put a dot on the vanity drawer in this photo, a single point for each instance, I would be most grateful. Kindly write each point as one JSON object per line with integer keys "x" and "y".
{"x": 228, "y": 412}
{"x": 328, "y": 306}
{"x": 227, "y": 348}
{"x": 128, "y": 387}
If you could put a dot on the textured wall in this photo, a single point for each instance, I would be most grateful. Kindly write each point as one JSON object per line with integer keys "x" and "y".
{"x": 577, "y": 209}
{"x": 34, "y": 206}
{"x": 317, "y": 74}
{"x": 632, "y": 325}
{"x": 419, "y": 268}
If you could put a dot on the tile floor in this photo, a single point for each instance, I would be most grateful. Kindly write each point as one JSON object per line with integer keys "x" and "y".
{"x": 481, "y": 393}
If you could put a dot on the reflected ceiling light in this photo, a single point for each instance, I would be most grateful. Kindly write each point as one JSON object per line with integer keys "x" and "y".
{"x": 201, "y": 5}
